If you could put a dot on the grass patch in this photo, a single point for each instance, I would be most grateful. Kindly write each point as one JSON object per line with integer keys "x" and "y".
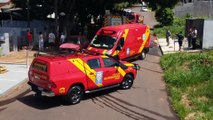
{"x": 178, "y": 25}
{"x": 189, "y": 78}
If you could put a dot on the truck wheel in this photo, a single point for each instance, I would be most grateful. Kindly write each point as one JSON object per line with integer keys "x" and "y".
{"x": 74, "y": 95}
{"x": 143, "y": 55}
{"x": 127, "y": 82}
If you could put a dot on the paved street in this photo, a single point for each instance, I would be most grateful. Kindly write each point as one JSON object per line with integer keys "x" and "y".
{"x": 146, "y": 100}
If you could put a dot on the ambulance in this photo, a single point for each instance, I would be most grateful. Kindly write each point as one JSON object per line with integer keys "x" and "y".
{"x": 128, "y": 41}
{"x": 73, "y": 74}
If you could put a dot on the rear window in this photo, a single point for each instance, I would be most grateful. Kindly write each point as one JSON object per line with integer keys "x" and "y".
{"x": 40, "y": 66}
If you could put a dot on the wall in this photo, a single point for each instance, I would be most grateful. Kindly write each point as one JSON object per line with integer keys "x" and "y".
{"x": 17, "y": 33}
{"x": 207, "y": 34}
{"x": 197, "y": 8}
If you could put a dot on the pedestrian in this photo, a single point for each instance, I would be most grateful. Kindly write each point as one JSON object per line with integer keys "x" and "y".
{"x": 180, "y": 40}
{"x": 194, "y": 37}
{"x": 62, "y": 38}
{"x": 155, "y": 40}
{"x": 189, "y": 38}
{"x": 41, "y": 41}
{"x": 168, "y": 34}
{"x": 29, "y": 39}
{"x": 51, "y": 40}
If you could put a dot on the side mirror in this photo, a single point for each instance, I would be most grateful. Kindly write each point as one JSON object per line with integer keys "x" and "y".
{"x": 117, "y": 57}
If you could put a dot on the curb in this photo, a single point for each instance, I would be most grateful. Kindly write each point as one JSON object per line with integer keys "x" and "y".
{"x": 14, "y": 93}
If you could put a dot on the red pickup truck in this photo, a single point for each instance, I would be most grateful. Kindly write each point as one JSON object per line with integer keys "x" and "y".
{"x": 72, "y": 75}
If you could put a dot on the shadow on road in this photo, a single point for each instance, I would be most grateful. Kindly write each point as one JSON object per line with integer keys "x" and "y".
{"x": 42, "y": 103}
{"x": 128, "y": 109}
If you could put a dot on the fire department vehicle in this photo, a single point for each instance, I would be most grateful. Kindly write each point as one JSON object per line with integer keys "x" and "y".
{"x": 72, "y": 74}
{"x": 127, "y": 18}
{"x": 127, "y": 41}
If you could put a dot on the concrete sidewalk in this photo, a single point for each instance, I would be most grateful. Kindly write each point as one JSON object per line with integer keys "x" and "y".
{"x": 174, "y": 46}
{"x": 14, "y": 77}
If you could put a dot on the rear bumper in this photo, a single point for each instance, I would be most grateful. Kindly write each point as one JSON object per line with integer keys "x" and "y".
{"x": 41, "y": 91}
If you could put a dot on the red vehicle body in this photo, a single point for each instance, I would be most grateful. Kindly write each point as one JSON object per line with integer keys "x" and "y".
{"x": 72, "y": 75}
{"x": 127, "y": 41}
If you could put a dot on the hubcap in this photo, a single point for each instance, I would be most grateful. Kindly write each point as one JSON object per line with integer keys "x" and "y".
{"x": 76, "y": 95}
{"x": 127, "y": 83}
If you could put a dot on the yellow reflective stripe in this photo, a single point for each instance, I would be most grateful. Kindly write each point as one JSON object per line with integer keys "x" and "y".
{"x": 144, "y": 42}
{"x": 115, "y": 52}
{"x": 126, "y": 31}
{"x": 121, "y": 71}
{"x": 104, "y": 56}
{"x": 85, "y": 69}
{"x": 129, "y": 64}
{"x": 104, "y": 52}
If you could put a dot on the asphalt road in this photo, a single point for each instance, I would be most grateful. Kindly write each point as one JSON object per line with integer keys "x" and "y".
{"x": 146, "y": 100}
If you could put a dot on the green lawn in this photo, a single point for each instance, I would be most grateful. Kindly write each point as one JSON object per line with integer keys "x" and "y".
{"x": 189, "y": 78}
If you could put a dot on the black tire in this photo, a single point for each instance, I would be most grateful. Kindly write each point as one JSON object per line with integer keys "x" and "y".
{"x": 143, "y": 55}
{"x": 74, "y": 95}
{"x": 127, "y": 82}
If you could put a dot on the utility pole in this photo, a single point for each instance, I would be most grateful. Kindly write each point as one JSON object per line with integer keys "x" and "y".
{"x": 28, "y": 27}
{"x": 28, "y": 14}
{"x": 56, "y": 17}
{"x": 210, "y": 8}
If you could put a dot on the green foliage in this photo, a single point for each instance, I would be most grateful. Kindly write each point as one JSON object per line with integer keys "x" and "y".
{"x": 164, "y": 16}
{"x": 38, "y": 9}
{"x": 120, "y": 6}
{"x": 163, "y": 9}
{"x": 177, "y": 26}
{"x": 158, "y": 4}
{"x": 190, "y": 75}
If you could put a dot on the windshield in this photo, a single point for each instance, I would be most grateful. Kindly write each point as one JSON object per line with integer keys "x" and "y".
{"x": 103, "y": 41}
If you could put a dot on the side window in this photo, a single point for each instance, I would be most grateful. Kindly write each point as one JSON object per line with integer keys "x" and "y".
{"x": 120, "y": 44}
{"x": 94, "y": 63}
{"x": 109, "y": 62}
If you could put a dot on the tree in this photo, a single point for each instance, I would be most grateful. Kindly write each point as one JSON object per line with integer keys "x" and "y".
{"x": 75, "y": 11}
{"x": 164, "y": 16}
{"x": 163, "y": 8}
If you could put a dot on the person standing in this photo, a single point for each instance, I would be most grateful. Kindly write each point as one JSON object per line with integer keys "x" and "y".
{"x": 41, "y": 42}
{"x": 51, "y": 40}
{"x": 168, "y": 34}
{"x": 194, "y": 38}
{"x": 62, "y": 38}
{"x": 180, "y": 40}
{"x": 189, "y": 38}
{"x": 29, "y": 39}
{"x": 155, "y": 40}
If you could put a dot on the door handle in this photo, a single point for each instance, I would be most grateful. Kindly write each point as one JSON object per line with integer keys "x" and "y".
{"x": 91, "y": 73}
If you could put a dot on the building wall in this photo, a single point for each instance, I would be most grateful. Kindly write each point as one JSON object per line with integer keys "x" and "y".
{"x": 196, "y": 8}
{"x": 17, "y": 33}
